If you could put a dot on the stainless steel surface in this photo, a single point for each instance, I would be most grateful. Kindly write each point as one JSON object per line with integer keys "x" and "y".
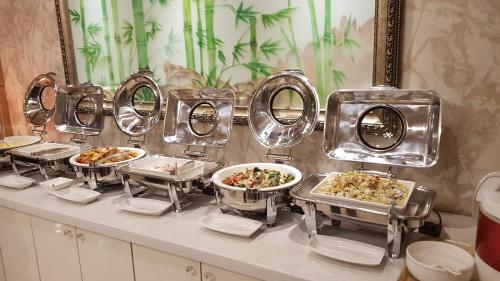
{"x": 421, "y": 111}
{"x": 49, "y": 165}
{"x": 125, "y": 111}
{"x": 395, "y": 221}
{"x": 67, "y": 109}
{"x": 178, "y": 188}
{"x": 183, "y": 105}
{"x": 271, "y": 131}
{"x": 34, "y": 110}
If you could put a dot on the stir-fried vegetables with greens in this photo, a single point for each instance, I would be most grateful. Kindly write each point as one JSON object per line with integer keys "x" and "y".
{"x": 258, "y": 178}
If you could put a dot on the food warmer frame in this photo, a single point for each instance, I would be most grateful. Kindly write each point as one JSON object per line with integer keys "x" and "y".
{"x": 274, "y": 134}
{"x": 50, "y": 158}
{"x": 416, "y": 146}
{"x": 179, "y": 128}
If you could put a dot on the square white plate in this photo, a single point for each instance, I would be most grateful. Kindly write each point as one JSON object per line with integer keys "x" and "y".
{"x": 57, "y": 183}
{"x": 347, "y": 250}
{"x": 143, "y": 206}
{"x": 229, "y": 224}
{"x": 16, "y": 182}
{"x": 77, "y": 194}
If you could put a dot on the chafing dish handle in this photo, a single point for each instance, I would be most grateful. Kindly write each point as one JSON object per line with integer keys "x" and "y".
{"x": 395, "y": 229}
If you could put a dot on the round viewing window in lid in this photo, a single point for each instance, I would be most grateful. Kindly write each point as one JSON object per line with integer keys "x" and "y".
{"x": 128, "y": 107}
{"x": 39, "y": 99}
{"x": 274, "y": 129}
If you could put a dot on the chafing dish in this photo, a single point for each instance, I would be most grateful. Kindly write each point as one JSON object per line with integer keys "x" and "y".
{"x": 50, "y": 158}
{"x": 272, "y": 132}
{"x": 180, "y": 127}
{"x": 380, "y": 126}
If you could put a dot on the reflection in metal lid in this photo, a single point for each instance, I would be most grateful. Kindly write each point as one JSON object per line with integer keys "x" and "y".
{"x": 125, "y": 109}
{"x": 266, "y": 127}
{"x": 34, "y": 111}
{"x": 403, "y": 127}
{"x": 183, "y": 104}
{"x": 72, "y": 118}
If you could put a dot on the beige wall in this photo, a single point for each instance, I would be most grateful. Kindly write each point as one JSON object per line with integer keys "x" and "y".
{"x": 451, "y": 46}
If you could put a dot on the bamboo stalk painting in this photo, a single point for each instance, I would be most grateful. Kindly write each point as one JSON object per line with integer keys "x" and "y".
{"x": 224, "y": 43}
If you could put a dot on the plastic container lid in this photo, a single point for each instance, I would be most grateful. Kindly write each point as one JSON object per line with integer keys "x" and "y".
{"x": 487, "y": 195}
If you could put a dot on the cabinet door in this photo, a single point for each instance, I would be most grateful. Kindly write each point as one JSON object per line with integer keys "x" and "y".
{"x": 2, "y": 274}
{"x": 212, "y": 273}
{"x": 18, "y": 249}
{"x": 103, "y": 258}
{"x": 56, "y": 250}
{"x": 152, "y": 265}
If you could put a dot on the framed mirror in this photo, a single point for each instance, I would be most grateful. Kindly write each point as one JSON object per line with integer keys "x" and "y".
{"x": 190, "y": 44}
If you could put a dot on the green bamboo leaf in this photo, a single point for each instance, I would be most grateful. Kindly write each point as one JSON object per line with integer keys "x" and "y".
{"x": 152, "y": 28}
{"x": 171, "y": 49}
{"x": 238, "y": 51}
{"x": 221, "y": 57}
{"x": 218, "y": 42}
{"x": 348, "y": 27}
{"x": 259, "y": 67}
{"x": 92, "y": 52}
{"x": 242, "y": 13}
{"x": 270, "y": 47}
{"x": 202, "y": 38}
{"x": 163, "y": 3}
{"x": 74, "y": 16}
{"x": 338, "y": 78}
{"x": 269, "y": 20}
{"x": 128, "y": 32}
{"x": 212, "y": 77}
{"x": 349, "y": 45}
{"x": 94, "y": 29}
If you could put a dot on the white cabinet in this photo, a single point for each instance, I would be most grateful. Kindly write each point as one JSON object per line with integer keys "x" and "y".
{"x": 153, "y": 265}
{"x": 212, "y": 273}
{"x": 56, "y": 250}
{"x": 2, "y": 274}
{"x": 18, "y": 249}
{"x": 103, "y": 258}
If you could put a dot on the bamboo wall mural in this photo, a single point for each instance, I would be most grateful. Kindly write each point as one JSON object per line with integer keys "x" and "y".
{"x": 224, "y": 43}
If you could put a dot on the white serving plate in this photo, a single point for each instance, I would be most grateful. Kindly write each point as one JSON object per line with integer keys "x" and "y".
{"x": 347, "y": 250}
{"x": 20, "y": 141}
{"x": 144, "y": 206}
{"x": 16, "y": 182}
{"x": 219, "y": 176}
{"x": 140, "y": 154}
{"x": 77, "y": 194}
{"x": 57, "y": 183}
{"x": 72, "y": 149}
{"x": 229, "y": 224}
{"x": 439, "y": 261}
{"x": 409, "y": 184}
{"x": 147, "y": 166}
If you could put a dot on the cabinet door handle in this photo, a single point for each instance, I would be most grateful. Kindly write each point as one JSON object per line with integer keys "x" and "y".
{"x": 190, "y": 270}
{"x": 68, "y": 233}
{"x": 80, "y": 237}
{"x": 209, "y": 276}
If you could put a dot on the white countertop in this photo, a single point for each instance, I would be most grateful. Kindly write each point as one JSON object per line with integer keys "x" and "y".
{"x": 278, "y": 253}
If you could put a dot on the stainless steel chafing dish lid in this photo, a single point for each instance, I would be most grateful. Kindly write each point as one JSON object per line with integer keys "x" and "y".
{"x": 189, "y": 117}
{"x": 34, "y": 110}
{"x": 127, "y": 117}
{"x": 383, "y": 125}
{"x": 266, "y": 127}
{"x": 79, "y": 109}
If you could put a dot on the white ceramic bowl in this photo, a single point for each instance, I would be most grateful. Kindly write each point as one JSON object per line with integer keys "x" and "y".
{"x": 428, "y": 260}
{"x": 219, "y": 176}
